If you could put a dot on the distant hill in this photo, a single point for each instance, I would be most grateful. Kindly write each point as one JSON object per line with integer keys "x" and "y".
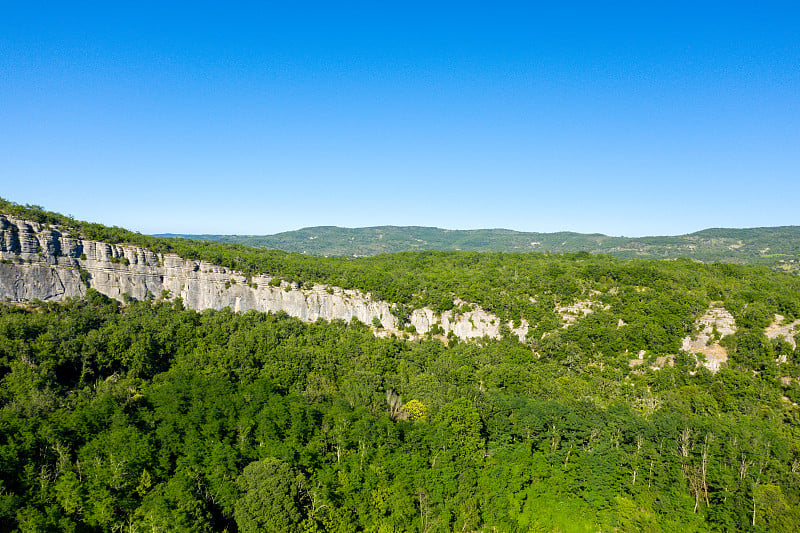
{"x": 776, "y": 246}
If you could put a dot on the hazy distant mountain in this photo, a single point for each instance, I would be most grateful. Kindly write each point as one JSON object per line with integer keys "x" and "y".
{"x": 773, "y": 246}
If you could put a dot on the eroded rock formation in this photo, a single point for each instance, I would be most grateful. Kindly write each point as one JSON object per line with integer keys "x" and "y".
{"x": 716, "y": 323}
{"x": 52, "y": 264}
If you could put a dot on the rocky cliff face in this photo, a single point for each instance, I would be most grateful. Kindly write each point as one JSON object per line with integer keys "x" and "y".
{"x": 52, "y": 264}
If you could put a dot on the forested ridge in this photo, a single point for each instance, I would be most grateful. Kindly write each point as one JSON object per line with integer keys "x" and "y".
{"x": 147, "y": 416}
{"x": 777, "y": 247}
{"x": 514, "y": 286}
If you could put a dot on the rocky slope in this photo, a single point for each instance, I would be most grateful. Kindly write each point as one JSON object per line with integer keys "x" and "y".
{"x": 52, "y": 264}
{"x": 716, "y": 323}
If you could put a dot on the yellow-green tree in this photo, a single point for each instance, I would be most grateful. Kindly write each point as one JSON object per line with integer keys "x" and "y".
{"x": 416, "y": 410}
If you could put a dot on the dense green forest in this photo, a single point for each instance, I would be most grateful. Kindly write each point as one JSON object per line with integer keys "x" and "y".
{"x": 151, "y": 417}
{"x": 778, "y": 247}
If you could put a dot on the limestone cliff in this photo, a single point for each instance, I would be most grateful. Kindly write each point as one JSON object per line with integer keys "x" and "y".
{"x": 52, "y": 264}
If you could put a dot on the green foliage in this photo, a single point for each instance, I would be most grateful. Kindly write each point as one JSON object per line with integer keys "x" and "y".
{"x": 658, "y": 299}
{"x": 155, "y": 417}
{"x": 85, "y": 276}
{"x": 461, "y": 424}
{"x": 148, "y": 416}
{"x": 269, "y": 500}
{"x": 778, "y": 247}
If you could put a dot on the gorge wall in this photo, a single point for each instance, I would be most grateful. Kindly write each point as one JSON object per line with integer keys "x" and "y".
{"x": 53, "y": 264}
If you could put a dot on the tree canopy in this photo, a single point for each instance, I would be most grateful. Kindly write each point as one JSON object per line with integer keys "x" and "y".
{"x": 148, "y": 415}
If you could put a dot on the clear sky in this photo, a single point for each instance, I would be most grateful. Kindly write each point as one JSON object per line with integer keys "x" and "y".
{"x": 625, "y": 118}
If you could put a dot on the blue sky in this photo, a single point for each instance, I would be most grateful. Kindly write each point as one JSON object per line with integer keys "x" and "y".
{"x": 621, "y": 118}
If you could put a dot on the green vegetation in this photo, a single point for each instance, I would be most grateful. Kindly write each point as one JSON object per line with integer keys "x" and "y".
{"x": 150, "y": 416}
{"x": 147, "y": 416}
{"x": 333, "y": 241}
{"x": 513, "y": 286}
{"x": 777, "y": 247}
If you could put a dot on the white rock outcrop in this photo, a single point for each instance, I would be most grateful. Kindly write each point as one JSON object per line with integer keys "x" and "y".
{"x": 570, "y": 314}
{"x": 53, "y": 264}
{"x": 475, "y": 323}
{"x": 780, "y": 329}
{"x": 706, "y": 341}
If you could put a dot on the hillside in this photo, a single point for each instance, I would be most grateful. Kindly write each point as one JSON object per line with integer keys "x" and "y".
{"x": 335, "y": 241}
{"x": 778, "y": 246}
{"x": 641, "y": 395}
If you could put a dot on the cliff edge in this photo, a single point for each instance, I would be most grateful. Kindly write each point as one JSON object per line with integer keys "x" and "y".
{"x": 53, "y": 263}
